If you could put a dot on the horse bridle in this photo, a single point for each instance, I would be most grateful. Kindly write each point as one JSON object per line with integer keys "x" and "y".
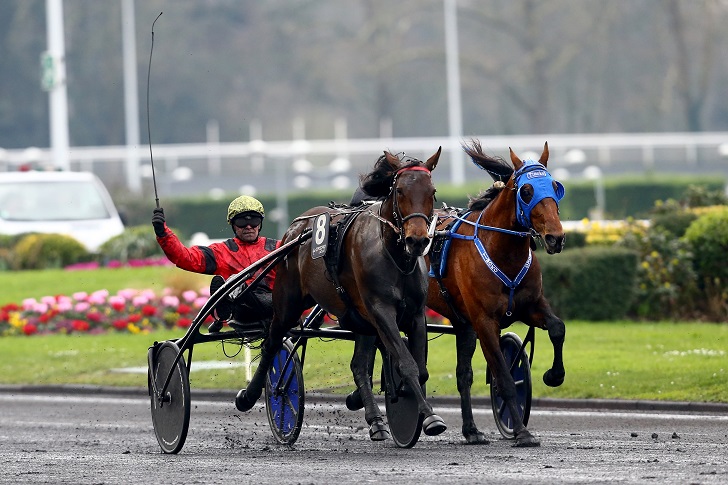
{"x": 396, "y": 212}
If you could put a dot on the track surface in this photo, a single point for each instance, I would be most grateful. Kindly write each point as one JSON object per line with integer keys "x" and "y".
{"x": 82, "y": 439}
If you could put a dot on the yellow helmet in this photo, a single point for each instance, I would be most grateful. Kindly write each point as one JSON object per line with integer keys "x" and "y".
{"x": 244, "y": 203}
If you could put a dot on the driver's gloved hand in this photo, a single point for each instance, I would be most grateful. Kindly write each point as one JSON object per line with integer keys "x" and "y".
{"x": 158, "y": 222}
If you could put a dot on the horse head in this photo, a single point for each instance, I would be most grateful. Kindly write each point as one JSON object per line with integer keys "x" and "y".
{"x": 406, "y": 184}
{"x": 537, "y": 199}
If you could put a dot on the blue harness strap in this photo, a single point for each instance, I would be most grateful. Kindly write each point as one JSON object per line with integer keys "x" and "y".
{"x": 451, "y": 234}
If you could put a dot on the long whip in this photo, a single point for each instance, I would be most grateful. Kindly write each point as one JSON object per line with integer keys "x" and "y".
{"x": 149, "y": 130}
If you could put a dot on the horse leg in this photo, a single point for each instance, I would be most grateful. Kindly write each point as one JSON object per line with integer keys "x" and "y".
{"x": 506, "y": 387}
{"x": 554, "y": 377}
{"x": 354, "y": 400}
{"x": 465, "y": 342}
{"x": 246, "y": 398}
{"x": 413, "y": 372}
{"x": 364, "y": 353}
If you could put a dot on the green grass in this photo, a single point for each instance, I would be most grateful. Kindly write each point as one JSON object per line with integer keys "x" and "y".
{"x": 619, "y": 360}
{"x": 624, "y": 360}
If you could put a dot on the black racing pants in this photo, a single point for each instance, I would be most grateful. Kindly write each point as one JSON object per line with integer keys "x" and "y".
{"x": 254, "y": 305}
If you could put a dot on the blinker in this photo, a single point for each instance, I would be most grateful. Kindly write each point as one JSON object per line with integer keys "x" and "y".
{"x": 540, "y": 179}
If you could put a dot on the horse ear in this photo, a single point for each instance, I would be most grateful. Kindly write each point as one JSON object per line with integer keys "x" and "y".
{"x": 431, "y": 162}
{"x": 392, "y": 160}
{"x": 545, "y": 155}
{"x": 517, "y": 163}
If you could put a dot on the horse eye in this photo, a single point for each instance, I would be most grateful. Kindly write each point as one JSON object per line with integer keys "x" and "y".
{"x": 527, "y": 193}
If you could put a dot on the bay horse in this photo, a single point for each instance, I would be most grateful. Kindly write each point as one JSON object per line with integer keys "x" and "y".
{"x": 492, "y": 279}
{"x": 377, "y": 286}
{"x": 489, "y": 278}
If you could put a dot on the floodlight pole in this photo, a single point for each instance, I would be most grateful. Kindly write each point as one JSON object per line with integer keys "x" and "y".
{"x": 454, "y": 109}
{"x": 54, "y": 81}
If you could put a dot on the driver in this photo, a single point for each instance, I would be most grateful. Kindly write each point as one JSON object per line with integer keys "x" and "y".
{"x": 223, "y": 259}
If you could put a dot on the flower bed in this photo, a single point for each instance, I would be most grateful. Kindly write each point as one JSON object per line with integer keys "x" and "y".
{"x": 132, "y": 311}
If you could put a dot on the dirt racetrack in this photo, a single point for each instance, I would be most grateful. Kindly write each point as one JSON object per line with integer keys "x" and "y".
{"x": 101, "y": 438}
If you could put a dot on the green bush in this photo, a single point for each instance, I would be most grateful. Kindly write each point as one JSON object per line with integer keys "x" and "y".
{"x": 708, "y": 236}
{"x": 41, "y": 251}
{"x": 675, "y": 223}
{"x": 574, "y": 239}
{"x": 137, "y": 242}
{"x": 592, "y": 283}
{"x": 7, "y": 252}
{"x": 666, "y": 282}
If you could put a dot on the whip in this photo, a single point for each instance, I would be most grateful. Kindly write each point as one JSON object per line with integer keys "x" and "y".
{"x": 149, "y": 130}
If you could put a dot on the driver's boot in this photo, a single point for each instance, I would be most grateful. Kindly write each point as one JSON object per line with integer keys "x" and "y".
{"x": 223, "y": 310}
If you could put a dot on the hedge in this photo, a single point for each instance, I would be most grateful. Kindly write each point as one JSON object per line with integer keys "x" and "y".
{"x": 591, "y": 283}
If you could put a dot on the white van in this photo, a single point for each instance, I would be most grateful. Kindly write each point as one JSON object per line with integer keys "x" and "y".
{"x": 72, "y": 203}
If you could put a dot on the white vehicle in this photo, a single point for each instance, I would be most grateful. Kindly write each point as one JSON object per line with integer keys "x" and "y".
{"x": 73, "y": 203}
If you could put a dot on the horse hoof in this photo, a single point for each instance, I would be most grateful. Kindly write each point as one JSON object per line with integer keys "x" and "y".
{"x": 354, "y": 401}
{"x": 433, "y": 425}
{"x": 476, "y": 439}
{"x": 242, "y": 402}
{"x": 526, "y": 440}
{"x": 378, "y": 431}
{"x": 551, "y": 379}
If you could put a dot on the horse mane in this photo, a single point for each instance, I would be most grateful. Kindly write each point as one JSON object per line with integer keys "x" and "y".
{"x": 378, "y": 182}
{"x": 498, "y": 169}
{"x": 484, "y": 198}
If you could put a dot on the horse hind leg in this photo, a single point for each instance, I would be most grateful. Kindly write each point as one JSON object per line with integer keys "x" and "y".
{"x": 362, "y": 364}
{"x": 554, "y": 377}
{"x": 465, "y": 342}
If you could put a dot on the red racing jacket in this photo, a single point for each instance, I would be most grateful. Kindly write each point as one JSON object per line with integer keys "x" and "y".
{"x": 221, "y": 258}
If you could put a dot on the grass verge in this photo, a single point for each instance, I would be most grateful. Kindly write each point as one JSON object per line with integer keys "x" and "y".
{"x": 614, "y": 360}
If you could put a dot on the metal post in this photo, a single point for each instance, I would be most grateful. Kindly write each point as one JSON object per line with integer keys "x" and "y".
{"x": 214, "y": 163}
{"x": 57, "y": 87}
{"x": 131, "y": 97}
{"x": 454, "y": 109}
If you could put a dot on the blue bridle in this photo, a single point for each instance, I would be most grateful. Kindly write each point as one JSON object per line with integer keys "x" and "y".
{"x": 543, "y": 188}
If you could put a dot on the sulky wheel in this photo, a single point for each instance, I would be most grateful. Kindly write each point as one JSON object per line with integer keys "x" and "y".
{"x": 403, "y": 414}
{"x": 170, "y": 410}
{"x": 284, "y": 395}
{"x": 510, "y": 343}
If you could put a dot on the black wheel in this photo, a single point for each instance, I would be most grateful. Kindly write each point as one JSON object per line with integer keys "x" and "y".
{"x": 171, "y": 411}
{"x": 510, "y": 343}
{"x": 403, "y": 414}
{"x": 284, "y": 395}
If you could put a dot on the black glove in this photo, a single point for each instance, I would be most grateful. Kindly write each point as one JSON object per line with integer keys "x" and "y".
{"x": 158, "y": 222}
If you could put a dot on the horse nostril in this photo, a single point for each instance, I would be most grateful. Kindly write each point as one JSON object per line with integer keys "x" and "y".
{"x": 556, "y": 243}
{"x": 416, "y": 244}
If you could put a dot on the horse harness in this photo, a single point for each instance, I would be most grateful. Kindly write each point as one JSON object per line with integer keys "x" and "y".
{"x": 441, "y": 247}
{"x": 338, "y": 230}
{"x": 536, "y": 175}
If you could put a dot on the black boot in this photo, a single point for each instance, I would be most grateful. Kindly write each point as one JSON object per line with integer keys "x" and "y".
{"x": 223, "y": 310}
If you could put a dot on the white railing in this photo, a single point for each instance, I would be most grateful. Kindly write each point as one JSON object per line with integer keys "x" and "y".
{"x": 635, "y": 152}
